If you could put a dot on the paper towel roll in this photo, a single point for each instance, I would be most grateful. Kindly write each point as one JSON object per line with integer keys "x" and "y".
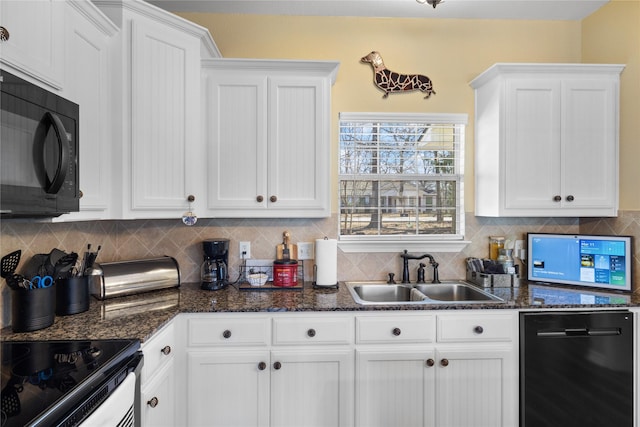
{"x": 327, "y": 262}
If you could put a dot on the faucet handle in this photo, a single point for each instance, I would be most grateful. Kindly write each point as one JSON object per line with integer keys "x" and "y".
{"x": 391, "y": 281}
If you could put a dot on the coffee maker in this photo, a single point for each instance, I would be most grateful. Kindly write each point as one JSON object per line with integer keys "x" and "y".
{"x": 214, "y": 268}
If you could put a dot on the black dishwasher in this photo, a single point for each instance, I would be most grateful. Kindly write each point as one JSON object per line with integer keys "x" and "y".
{"x": 576, "y": 369}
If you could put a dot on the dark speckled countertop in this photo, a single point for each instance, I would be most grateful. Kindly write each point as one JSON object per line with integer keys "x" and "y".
{"x": 139, "y": 316}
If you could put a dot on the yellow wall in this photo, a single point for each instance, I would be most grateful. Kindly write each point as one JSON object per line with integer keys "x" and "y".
{"x": 451, "y": 52}
{"x": 612, "y": 35}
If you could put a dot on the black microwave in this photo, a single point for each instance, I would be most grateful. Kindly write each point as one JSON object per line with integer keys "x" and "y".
{"x": 38, "y": 151}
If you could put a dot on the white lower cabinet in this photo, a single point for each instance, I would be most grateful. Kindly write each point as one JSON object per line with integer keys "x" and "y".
{"x": 228, "y": 388}
{"x": 158, "y": 401}
{"x": 158, "y": 379}
{"x": 457, "y": 370}
{"x": 238, "y": 376}
{"x": 365, "y": 369}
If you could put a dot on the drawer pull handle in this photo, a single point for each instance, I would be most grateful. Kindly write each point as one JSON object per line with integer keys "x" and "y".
{"x": 153, "y": 402}
{"x": 311, "y": 333}
{"x": 262, "y": 366}
{"x": 444, "y": 362}
{"x": 478, "y": 329}
{"x": 166, "y": 350}
{"x": 226, "y": 333}
{"x": 396, "y": 332}
{"x": 277, "y": 365}
{"x": 430, "y": 362}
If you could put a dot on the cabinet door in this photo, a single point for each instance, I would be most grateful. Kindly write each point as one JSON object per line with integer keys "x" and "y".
{"x": 229, "y": 388}
{"x": 395, "y": 387}
{"x": 165, "y": 108}
{"x": 532, "y": 158}
{"x": 158, "y": 403}
{"x": 475, "y": 387}
{"x": 589, "y": 175}
{"x": 236, "y": 141}
{"x": 299, "y": 145}
{"x": 35, "y": 47}
{"x": 312, "y": 388}
{"x": 87, "y": 84}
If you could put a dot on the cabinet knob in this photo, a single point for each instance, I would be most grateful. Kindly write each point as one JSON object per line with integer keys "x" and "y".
{"x": 273, "y": 199}
{"x": 430, "y": 362}
{"x": 444, "y": 362}
{"x": 570, "y": 198}
{"x": 557, "y": 198}
{"x": 259, "y": 199}
{"x": 153, "y": 402}
{"x": 262, "y": 366}
{"x": 311, "y": 333}
{"x": 396, "y": 332}
{"x": 226, "y": 333}
{"x": 191, "y": 198}
{"x": 4, "y": 34}
{"x": 478, "y": 329}
{"x": 80, "y": 194}
{"x": 166, "y": 350}
{"x": 277, "y": 365}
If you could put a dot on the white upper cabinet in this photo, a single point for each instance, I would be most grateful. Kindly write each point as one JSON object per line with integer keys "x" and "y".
{"x": 158, "y": 115}
{"x": 34, "y": 48}
{"x": 88, "y": 41}
{"x": 546, "y": 140}
{"x": 267, "y": 133}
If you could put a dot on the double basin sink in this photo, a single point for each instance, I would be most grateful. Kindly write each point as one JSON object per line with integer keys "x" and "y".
{"x": 450, "y": 292}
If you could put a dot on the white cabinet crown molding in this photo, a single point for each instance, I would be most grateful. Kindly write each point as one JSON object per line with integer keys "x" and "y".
{"x": 308, "y": 67}
{"x": 532, "y": 69}
{"x": 95, "y": 16}
{"x": 208, "y": 45}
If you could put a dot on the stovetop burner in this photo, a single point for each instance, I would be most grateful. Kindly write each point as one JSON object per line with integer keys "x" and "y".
{"x": 40, "y": 377}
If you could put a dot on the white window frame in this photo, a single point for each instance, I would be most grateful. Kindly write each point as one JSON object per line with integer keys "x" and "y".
{"x": 383, "y": 243}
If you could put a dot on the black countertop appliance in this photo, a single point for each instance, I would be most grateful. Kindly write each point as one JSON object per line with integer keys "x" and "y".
{"x": 61, "y": 383}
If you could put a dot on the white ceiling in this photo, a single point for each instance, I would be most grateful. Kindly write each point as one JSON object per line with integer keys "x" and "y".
{"x": 462, "y": 9}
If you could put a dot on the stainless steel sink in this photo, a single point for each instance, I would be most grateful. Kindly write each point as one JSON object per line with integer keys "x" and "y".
{"x": 456, "y": 292}
{"x": 381, "y": 293}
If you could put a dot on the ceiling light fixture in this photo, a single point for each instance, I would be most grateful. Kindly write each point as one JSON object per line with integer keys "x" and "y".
{"x": 434, "y": 3}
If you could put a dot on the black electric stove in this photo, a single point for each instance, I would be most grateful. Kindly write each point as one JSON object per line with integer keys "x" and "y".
{"x": 47, "y": 383}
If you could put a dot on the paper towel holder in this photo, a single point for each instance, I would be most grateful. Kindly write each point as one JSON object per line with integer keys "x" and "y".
{"x": 315, "y": 284}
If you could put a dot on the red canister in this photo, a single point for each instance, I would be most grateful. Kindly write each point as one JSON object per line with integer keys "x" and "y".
{"x": 285, "y": 273}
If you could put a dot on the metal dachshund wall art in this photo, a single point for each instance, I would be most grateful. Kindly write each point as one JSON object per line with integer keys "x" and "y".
{"x": 389, "y": 81}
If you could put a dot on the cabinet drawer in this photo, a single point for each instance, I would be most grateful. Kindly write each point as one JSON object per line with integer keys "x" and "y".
{"x": 158, "y": 351}
{"x": 460, "y": 328}
{"x": 397, "y": 328}
{"x": 312, "y": 330}
{"x": 228, "y": 331}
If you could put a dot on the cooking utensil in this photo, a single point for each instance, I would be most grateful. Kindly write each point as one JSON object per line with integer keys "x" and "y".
{"x": 64, "y": 266}
{"x": 10, "y": 263}
{"x": 286, "y": 248}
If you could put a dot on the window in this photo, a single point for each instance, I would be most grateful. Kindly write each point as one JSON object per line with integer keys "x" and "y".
{"x": 401, "y": 180}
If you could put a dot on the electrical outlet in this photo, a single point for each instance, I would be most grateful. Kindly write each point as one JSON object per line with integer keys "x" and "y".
{"x": 245, "y": 250}
{"x": 305, "y": 250}
{"x": 519, "y": 251}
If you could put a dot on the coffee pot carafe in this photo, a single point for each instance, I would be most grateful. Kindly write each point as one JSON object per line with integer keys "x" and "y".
{"x": 213, "y": 272}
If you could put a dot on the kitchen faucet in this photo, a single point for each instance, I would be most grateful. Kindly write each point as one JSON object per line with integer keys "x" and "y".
{"x": 405, "y": 268}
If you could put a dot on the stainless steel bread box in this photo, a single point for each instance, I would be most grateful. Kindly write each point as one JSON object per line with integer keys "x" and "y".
{"x": 123, "y": 278}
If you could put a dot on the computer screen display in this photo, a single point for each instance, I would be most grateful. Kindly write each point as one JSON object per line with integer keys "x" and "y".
{"x": 582, "y": 260}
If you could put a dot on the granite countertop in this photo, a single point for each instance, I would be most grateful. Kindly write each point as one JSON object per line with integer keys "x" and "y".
{"x": 139, "y": 316}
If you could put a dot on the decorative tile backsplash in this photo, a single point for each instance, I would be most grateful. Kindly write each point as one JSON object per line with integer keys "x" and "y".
{"x": 138, "y": 239}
